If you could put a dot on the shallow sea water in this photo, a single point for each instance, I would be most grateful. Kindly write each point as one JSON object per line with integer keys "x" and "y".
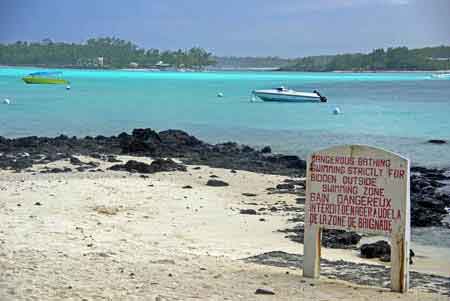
{"x": 397, "y": 111}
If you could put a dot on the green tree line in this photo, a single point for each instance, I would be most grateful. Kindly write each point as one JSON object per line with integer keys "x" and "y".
{"x": 252, "y": 62}
{"x": 116, "y": 53}
{"x": 398, "y": 58}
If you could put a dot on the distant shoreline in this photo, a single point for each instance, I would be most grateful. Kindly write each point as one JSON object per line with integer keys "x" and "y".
{"x": 391, "y": 71}
{"x": 225, "y": 69}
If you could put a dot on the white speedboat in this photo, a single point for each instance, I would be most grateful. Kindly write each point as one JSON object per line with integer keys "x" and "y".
{"x": 441, "y": 75}
{"x": 283, "y": 94}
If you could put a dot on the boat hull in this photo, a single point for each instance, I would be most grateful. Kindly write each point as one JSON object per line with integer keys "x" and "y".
{"x": 286, "y": 98}
{"x": 441, "y": 76}
{"x": 40, "y": 80}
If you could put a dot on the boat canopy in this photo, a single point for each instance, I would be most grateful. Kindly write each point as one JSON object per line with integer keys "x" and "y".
{"x": 45, "y": 73}
{"x": 282, "y": 89}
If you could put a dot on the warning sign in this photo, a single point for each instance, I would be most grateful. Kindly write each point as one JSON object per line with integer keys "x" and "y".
{"x": 356, "y": 188}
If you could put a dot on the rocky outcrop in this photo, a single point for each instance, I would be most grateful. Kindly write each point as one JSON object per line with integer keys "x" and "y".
{"x": 132, "y": 166}
{"x": 56, "y": 170}
{"x": 147, "y": 142}
{"x": 158, "y": 165}
{"x": 178, "y": 138}
{"x": 380, "y": 249}
{"x": 428, "y": 200}
{"x": 264, "y": 291}
{"x": 335, "y": 239}
{"x": 248, "y": 211}
{"x": 377, "y": 249}
{"x": 437, "y": 141}
{"x": 288, "y": 161}
{"x": 358, "y": 273}
{"x": 141, "y": 141}
{"x": 266, "y": 150}
{"x": 216, "y": 183}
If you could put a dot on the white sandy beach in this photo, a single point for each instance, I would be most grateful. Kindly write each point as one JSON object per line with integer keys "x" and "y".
{"x": 115, "y": 236}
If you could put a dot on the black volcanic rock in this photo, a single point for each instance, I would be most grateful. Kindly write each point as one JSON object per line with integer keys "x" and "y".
{"x": 339, "y": 238}
{"x": 266, "y": 150}
{"x": 132, "y": 166}
{"x": 437, "y": 141}
{"x": 377, "y": 249}
{"x": 56, "y": 170}
{"x": 216, "y": 183}
{"x": 76, "y": 161}
{"x": 147, "y": 142}
{"x": 146, "y": 135}
{"x": 26, "y": 142}
{"x": 331, "y": 238}
{"x": 285, "y": 186}
{"x": 166, "y": 165}
{"x": 428, "y": 203}
{"x": 288, "y": 161}
{"x": 112, "y": 159}
{"x": 247, "y": 149}
{"x": 15, "y": 163}
{"x": 248, "y": 211}
{"x": 158, "y": 165}
{"x": 380, "y": 249}
{"x": 178, "y": 137}
{"x": 142, "y": 141}
{"x": 264, "y": 291}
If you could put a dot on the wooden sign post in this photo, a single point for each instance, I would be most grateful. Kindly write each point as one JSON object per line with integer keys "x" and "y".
{"x": 363, "y": 189}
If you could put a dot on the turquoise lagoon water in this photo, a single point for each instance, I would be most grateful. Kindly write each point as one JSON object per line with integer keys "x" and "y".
{"x": 397, "y": 111}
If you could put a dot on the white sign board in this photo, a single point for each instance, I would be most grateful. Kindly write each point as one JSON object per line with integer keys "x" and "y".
{"x": 363, "y": 189}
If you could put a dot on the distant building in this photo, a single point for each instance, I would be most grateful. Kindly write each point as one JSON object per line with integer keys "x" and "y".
{"x": 439, "y": 58}
{"x": 162, "y": 65}
{"x": 100, "y": 61}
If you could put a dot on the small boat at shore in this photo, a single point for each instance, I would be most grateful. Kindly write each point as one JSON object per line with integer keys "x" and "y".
{"x": 283, "y": 94}
{"x": 45, "y": 78}
{"x": 441, "y": 75}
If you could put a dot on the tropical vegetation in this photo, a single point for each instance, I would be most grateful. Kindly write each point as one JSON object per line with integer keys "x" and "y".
{"x": 111, "y": 52}
{"x": 108, "y": 52}
{"x": 399, "y": 58}
{"x": 252, "y": 62}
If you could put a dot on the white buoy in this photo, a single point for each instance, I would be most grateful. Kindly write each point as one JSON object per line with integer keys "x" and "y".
{"x": 68, "y": 87}
{"x": 336, "y": 111}
{"x": 220, "y": 94}
{"x": 6, "y": 101}
{"x": 253, "y": 97}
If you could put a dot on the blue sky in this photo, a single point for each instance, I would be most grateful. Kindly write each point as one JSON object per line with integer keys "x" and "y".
{"x": 286, "y": 28}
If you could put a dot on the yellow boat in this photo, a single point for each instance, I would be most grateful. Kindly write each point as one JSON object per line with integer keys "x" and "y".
{"x": 45, "y": 78}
